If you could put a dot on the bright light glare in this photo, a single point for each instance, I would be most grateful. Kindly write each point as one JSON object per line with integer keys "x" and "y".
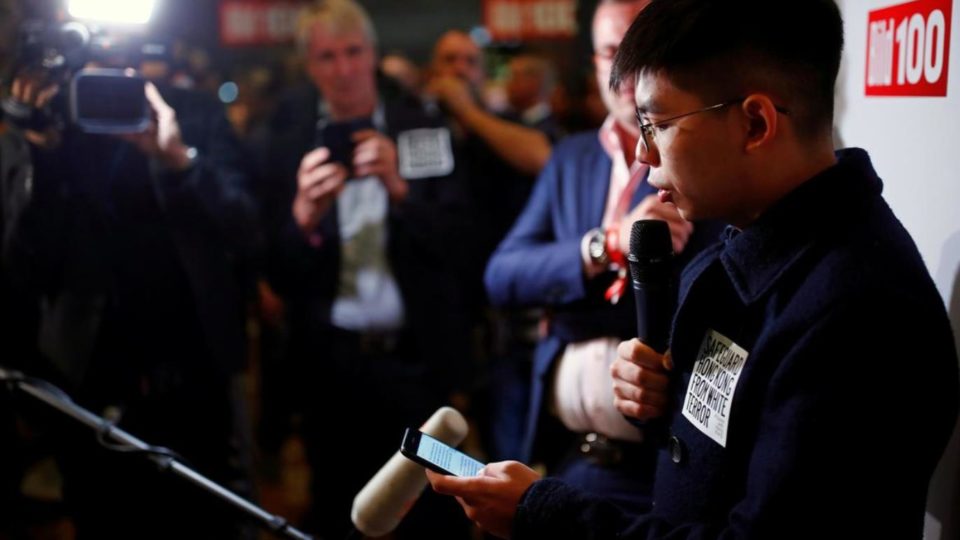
{"x": 112, "y": 11}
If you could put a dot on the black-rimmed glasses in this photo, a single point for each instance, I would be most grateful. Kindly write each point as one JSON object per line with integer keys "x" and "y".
{"x": 647, "y": 130}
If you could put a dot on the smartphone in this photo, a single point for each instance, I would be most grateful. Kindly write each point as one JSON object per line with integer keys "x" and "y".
{"x": 338, "y": 138}
{"x": 437, "y": 456}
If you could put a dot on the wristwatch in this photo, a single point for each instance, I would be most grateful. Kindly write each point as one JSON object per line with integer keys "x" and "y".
{"x": 597, "y": 247}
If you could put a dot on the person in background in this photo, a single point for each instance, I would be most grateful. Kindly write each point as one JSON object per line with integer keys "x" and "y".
{"x": 362, "y": 226}
{"x": 565, "y": 253}
{"x": 530, "y": 84}
{"x": 456, "y": 81}
{"x": 787, "y": 331}
{"x": 128, "y": 248}
{"x": 501, "y": 156}
{"x": 402, "y": 70}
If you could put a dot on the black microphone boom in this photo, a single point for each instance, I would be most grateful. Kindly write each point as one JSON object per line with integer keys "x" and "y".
{"x": 651, "y": 271}
{"x": 115, "y": 438}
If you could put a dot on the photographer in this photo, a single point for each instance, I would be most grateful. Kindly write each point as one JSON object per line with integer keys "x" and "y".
{"x": 17, "y": 319}
{"x": 128, "y": 247}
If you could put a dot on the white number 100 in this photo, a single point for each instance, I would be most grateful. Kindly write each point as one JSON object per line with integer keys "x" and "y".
{"x": 919, "y": 55}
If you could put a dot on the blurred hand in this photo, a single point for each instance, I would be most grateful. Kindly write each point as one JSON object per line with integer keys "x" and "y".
{"x": 161, "y": 139}
{"x": 33, "y": 90}
{"x": 375, "y": 154}
{"x": 489, "y": 499}
{"x": 318, "y": 183}
{"x": 452, "y": 92}
{"x": 640, "y": 380}
{"x": 651, "y": 208}
{"x": 271, "y": 306}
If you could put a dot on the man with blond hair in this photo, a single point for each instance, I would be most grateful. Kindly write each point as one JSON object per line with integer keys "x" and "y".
{"x": 365, "y": 187}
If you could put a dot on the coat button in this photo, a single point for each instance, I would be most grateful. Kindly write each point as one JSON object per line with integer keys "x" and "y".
{"x": 677, "y": 451}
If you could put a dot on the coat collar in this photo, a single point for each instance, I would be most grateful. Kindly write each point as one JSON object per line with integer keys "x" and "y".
{"x": 758, "y": 256}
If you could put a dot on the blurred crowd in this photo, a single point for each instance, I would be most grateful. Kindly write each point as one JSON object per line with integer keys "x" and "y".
{"x": 296, "y": 251}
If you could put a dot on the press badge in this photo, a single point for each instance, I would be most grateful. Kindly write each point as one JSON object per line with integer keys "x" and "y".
{"x": 425, "y": 152}
{"x": 712, "y": 385}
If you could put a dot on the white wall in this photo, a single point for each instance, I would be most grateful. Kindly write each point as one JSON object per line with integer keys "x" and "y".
{"x": 915, "y": 146}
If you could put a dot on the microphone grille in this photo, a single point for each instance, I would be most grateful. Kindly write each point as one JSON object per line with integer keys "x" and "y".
{"x": 650, "y": 239}
{"x": 651, "y": 251}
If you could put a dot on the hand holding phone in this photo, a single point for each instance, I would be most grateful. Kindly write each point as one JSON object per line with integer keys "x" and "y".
{"x": 338, "y": 138}
{"x": 436, "y": 455}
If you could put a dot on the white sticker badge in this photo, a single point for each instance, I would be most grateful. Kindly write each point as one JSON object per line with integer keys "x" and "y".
{"x": 424, "y": 153}
{"x": 712, "y": 385}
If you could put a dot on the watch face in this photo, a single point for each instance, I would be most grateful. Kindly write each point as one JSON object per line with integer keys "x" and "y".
{"x": 596, "y": 246}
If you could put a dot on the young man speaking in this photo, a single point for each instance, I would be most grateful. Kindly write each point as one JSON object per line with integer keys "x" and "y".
{"x": 812, "y": 380}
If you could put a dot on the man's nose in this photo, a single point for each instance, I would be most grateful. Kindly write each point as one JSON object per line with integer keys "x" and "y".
{"x": 647, "y": 153}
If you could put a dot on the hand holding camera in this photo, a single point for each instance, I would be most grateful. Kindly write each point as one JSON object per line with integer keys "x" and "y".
{"x": 30, "y": 96}
{"x": 162, "y": 139}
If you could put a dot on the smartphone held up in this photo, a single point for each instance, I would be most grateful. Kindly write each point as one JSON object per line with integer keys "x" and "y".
{"x": 437, "y": 456}
{"x": 338, "y": 138}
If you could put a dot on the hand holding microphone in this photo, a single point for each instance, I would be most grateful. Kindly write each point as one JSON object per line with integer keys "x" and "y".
{"x": 640, "y": 379}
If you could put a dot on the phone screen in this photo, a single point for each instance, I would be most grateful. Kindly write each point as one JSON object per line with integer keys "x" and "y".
{"x": 438, "y": 455}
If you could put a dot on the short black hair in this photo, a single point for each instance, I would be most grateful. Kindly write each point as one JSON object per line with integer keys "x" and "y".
{"x": 723, "y": 49}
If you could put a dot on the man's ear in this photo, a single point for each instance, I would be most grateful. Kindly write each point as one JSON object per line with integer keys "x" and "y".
{"x": 762, "y": 120}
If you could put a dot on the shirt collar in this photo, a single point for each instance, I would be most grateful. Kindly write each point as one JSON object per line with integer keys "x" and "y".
{"x": 756, "y": 257}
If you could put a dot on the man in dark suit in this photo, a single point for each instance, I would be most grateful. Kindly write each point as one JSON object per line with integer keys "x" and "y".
{"x": 363, "y": 237}
{"x": 591, "y": 191}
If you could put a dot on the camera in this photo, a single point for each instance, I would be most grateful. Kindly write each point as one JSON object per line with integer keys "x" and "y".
{"x": 97, "y": 100}
{"x": 58, "y": 48}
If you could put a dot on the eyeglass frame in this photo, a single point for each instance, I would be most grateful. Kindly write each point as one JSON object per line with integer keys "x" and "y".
{"x": 648, "y": 127}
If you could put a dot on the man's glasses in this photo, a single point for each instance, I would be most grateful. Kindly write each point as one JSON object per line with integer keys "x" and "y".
{"x": 649, "y": 134}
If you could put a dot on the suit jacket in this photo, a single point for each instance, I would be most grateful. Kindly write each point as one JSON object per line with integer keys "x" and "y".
{"x": 425, "y": 239}
{"x": 539, "y": 264}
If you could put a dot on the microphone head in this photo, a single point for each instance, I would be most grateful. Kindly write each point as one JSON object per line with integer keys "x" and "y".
{"x": 651, "y": 250}
{"x": 380, "y": 506}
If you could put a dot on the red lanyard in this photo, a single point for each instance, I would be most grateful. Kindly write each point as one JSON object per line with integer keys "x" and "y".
{"x": 612, "y": 234}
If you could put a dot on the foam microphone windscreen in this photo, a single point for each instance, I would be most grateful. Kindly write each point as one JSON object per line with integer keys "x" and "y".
{"x": 380, "y": 506}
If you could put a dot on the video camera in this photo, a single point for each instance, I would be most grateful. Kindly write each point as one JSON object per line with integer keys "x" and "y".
{"x": 97, "y": 100}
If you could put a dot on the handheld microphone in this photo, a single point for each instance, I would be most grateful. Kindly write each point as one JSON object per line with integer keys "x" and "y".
{"x": 651, "y": 271}
{"x": 380, "y": 506}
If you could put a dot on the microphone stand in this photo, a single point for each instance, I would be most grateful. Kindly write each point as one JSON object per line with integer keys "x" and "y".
{"x": 165, "y": 460}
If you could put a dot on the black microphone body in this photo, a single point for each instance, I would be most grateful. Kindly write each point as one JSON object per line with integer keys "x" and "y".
{"x": 655, "y": 292}
{"x": 652, "y": 276}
